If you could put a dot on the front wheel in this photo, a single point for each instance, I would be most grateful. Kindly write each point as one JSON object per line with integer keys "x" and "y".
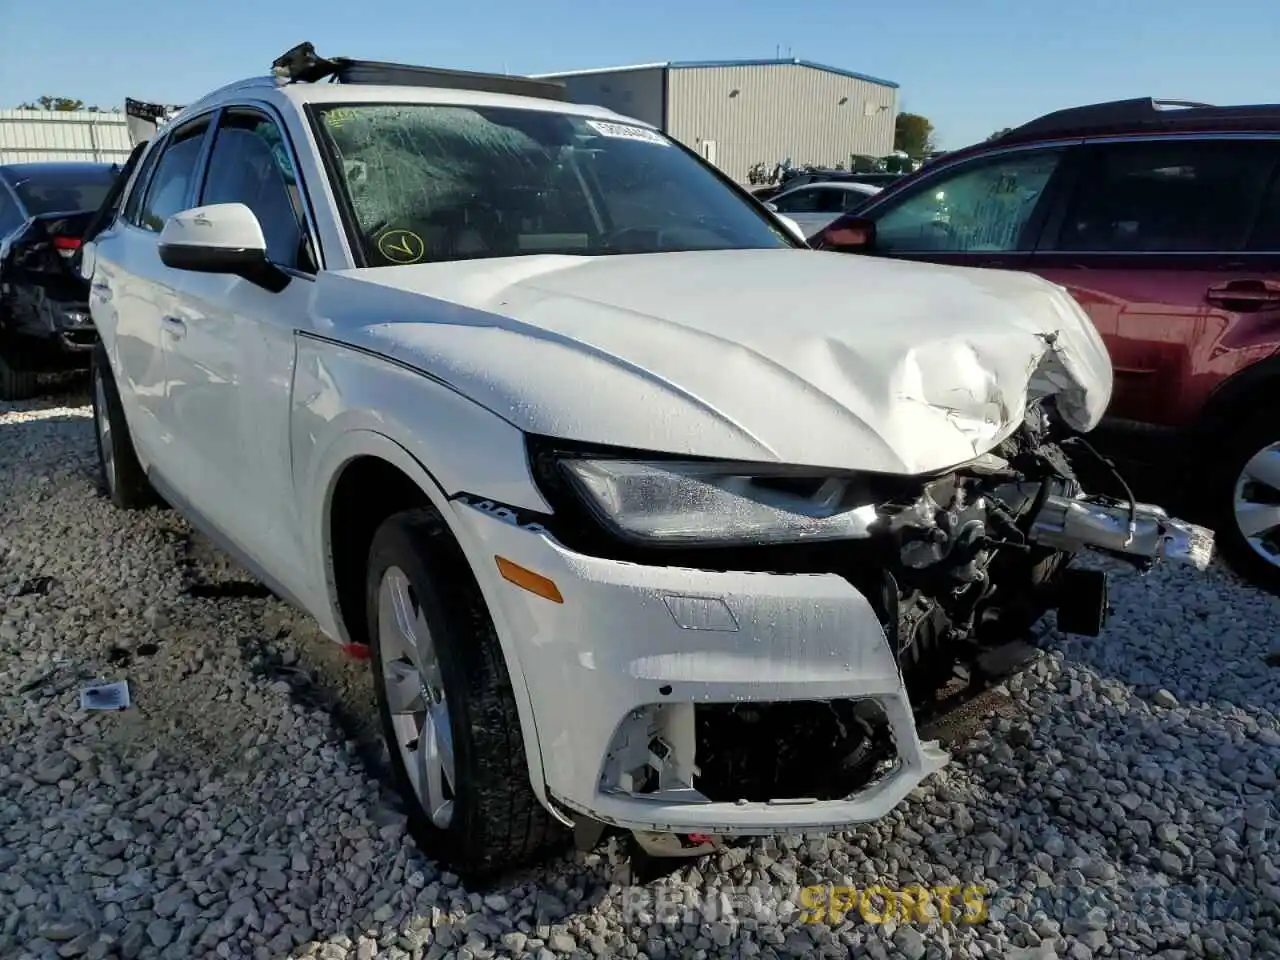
{"x": 120, "y": 476}
{"x": 446, "y": 703}
{"x": 1246, "y": 496}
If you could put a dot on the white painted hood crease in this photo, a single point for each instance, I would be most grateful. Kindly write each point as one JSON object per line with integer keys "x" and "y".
{"x": 787, "y": 356}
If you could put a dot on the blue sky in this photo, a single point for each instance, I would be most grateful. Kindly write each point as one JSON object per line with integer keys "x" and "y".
{"x": 971, "y": 66}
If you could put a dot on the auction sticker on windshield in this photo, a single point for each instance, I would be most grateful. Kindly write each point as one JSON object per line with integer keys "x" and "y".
{"x": 626, "y": 131}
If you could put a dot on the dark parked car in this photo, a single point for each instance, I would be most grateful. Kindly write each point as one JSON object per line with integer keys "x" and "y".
{"x": 1163, "y": 220}
{"x": 44, "y": 313}
{"x": 872, "y": 179}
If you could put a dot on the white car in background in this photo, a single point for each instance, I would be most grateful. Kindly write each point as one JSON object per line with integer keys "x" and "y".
{"x": 814, "y": 205}
{"x": 637, "y": 528}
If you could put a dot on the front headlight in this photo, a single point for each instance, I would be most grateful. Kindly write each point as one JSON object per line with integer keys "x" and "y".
{"x": 682, "y": 503}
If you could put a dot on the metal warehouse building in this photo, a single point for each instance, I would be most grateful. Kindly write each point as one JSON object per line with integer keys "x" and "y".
{"x": 38, "y": 135}
{"x": 740, "y": 112}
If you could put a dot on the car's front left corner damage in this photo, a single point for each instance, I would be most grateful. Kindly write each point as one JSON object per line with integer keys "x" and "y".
{"x": 952, "y": 566}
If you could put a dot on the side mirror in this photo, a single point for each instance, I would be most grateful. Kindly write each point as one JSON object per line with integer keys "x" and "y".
{"x": 771, "y": 206}
{"x": 846, "y": 234}
{"x": 221, "y": 238}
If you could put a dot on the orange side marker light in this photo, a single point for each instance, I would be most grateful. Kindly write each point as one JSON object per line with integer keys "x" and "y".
{"x": 526, "y": 579}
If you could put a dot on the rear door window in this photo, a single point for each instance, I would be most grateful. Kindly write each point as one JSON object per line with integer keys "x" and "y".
{"x": 1167, "y": 196}
{"x": 139, "y": 186}
{"x": 1265, "y": 236}
{"x": 830, "y": 200}
{"x": 802, "y": 201}
{"x": 854, "y": 199}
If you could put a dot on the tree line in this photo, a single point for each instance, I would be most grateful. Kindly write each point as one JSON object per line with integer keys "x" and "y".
{"x": 913, "y": 135}
{"x": 60, "y": 104}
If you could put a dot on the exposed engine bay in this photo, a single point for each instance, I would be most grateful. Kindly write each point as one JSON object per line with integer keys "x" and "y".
{"x": 983, "y": 552}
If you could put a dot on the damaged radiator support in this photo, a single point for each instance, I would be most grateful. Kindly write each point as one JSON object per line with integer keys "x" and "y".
{"x": 1139, "y": 531}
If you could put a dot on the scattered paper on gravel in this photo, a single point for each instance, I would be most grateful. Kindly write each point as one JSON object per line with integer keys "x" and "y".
{"x": 105, "y": 696}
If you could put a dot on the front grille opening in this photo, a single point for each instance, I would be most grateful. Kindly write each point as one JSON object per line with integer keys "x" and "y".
{"x": 818, "y": 749}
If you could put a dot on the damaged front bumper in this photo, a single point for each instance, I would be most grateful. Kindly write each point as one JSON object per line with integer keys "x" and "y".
{"x": 754, "y": 688}
{"x": 635, "y": 665}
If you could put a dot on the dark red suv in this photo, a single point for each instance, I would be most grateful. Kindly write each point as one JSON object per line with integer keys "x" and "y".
{"x": 1163, "y": 220}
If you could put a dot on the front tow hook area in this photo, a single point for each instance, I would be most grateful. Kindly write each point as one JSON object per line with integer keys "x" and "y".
{"x": 1082, "y": 604}
{"x": 1135, "y": 531}
{"x": 671, "y": 846}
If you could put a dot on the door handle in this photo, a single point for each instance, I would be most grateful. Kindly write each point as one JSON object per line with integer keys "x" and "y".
{"x": 1245, "y": 294}
{"x": 177, "y": 329}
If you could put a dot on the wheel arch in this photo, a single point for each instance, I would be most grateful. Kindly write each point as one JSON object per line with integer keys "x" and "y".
{"x": 1242, "y": 412}
{"x": 363, "y": 454}
{"x": 1249, "y": 386}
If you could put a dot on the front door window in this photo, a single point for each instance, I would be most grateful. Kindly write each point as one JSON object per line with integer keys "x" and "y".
{"x": 984, "y": 207}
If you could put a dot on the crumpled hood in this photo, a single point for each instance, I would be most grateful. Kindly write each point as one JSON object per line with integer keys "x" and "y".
{"x": 792, "y": 356}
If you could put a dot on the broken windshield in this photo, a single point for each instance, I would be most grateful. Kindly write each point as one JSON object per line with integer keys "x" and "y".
{"x": 428, "y": 183}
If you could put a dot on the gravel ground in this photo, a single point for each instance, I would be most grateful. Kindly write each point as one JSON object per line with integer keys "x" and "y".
{"x": 1122, "y": 802}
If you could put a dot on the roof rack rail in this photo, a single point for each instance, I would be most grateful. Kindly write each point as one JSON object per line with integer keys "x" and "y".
{"x": 1138, "y": 112}
{"x": 302, "y": 64}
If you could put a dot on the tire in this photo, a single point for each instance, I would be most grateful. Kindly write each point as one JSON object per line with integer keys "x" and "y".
{"x": 494, "y": 822}
{"x": 121, "y": 478}
{"x": 1242, "y": 445}
{"x": 15, "y": 382}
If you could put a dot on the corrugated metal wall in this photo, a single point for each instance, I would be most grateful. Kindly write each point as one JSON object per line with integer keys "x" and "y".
{"x": 33, "y": 135}
{"x": 634, "y": 93}
{"x": 766, "y": 113}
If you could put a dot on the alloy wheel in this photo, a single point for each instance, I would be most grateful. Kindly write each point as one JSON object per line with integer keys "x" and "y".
{"x": 415, "y": 696}
{"x": 1257, "y": 503}
{"x": 102, "y": 416}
